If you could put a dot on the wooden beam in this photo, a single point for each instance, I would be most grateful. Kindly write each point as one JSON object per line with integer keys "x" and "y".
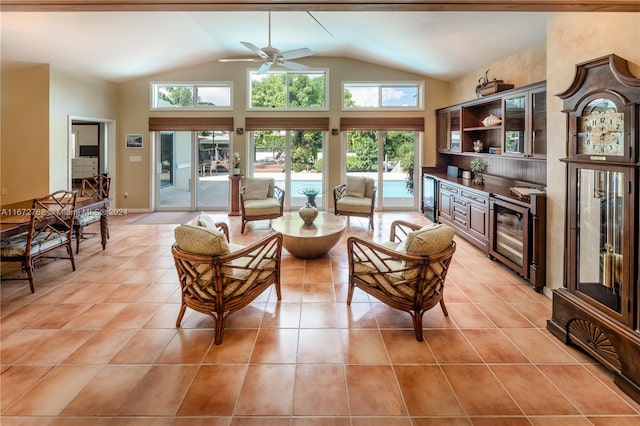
{"x": 324, "y": 5}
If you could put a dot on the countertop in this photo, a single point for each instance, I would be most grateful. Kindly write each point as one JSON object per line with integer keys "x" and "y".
{"x": 497, "y": 189}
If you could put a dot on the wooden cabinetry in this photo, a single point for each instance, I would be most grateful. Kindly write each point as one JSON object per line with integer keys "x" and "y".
{"x": 524, "y": 122}
{"x": 520, "y": 129}
{"x": 466, "y": 210}
{"x": 507, "y": 229}
{"x": 598, "y": 309}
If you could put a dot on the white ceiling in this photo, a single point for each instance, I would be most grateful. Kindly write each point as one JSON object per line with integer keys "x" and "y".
{"x": 119, "y": 46}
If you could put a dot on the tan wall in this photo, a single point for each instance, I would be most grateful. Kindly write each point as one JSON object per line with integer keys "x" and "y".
{"x": 135, "y": 177}
{"x": 572, "y": 39}
{"x": 520, "y": 69}
{"x": 73, "y": 95}
{"x": 36, "y": 105}
{"x": 25, "y": 133}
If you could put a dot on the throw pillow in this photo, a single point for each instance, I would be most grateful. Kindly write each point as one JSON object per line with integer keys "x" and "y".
{"x": 206, "y": 221}
{"x": 402, "y": 246}
{"x": 430, "y": 239}
{"x": 355, "y": 186}
{"x": 256, "y": 189}
{"x": 201, "y": 240}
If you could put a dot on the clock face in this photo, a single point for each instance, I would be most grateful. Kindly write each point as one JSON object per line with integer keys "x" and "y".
{"x": 601, "y": 129}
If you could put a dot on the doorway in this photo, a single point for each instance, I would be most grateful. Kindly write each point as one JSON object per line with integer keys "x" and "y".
{"x": 295, "y": 159}
{"x": 389, "y": 158}
{"x": 91, "y": 150}
{"x": 192, "y": 170}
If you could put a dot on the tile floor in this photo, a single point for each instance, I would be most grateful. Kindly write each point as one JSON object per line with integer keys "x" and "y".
{"x": 99, "y": 346}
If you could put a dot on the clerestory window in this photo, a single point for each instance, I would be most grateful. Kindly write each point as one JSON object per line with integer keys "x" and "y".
{"x": 401, "y": 96}
{"x": 192, "y": 95}
{"x": 286, "y": 90}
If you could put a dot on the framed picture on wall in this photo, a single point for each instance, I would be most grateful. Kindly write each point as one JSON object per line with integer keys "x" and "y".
{"x": 133, "y": 141}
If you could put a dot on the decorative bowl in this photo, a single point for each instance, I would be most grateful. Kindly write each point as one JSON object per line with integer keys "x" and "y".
{"x": 491, "y": 120}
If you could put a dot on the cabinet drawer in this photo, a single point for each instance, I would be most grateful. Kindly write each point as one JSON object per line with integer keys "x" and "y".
{"x": 460, "y": 202}
{"x": 449, "y": 188}
{"x": 478, "y": 199}
{"x": 460, "y": 218}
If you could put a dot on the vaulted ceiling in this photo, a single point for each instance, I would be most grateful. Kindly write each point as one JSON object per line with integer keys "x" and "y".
{"x": 119, "y": 44}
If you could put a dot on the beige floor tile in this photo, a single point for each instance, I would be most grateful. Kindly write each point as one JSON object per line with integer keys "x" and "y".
{"x": 373, "y": 391}
{"x": 100, "y": 346}
{"x": 160, "y": 392}
{"x": 267, "y": 390}
{"x": 479, "y": 392}
{"x": 320, "y": 390}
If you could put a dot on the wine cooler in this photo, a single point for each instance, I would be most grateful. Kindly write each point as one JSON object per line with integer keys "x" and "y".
{"x": 510, "y": 235}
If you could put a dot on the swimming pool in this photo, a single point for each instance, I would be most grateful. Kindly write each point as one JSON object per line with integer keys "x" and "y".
{"x": 391, "y": 188}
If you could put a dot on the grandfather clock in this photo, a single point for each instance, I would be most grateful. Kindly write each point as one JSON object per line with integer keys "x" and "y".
{"x": 598, "y": 307}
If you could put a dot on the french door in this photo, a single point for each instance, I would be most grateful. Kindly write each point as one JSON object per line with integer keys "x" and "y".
{"x": 192, "y": 170}
{"x": 294, "y": 159}
{"x": 388, "y": 157}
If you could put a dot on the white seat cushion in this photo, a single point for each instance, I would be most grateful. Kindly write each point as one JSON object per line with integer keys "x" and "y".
{"x": 261, "y": 207}
{"x": 354, "y": 204}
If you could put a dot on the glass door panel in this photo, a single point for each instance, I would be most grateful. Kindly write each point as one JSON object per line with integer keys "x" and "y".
{"x": 455, "y": 139}
{"x": 539, "y": 124}
{"x": 295, "y": 160}
{"x": 176, "y": 170}
{"x": 269, "y": 157}
{"x": 307, "y": 183}
{"x": 398, "y": 170}
{"x": 362, "y": 155}
{"x": 193, "y": 170}
{"x": 213, "y": 170}
{"x": 600, "y": 236}
{"x": 167, "y": 163}
{"x": 514, "y": 124}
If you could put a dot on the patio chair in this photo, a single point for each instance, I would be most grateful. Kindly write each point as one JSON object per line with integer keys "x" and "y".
{"x": 260, "y": 199}
{"x": 357, "y": 197}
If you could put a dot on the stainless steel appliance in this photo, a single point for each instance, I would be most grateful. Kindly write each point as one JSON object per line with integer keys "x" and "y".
{"x": 430, "y": 198}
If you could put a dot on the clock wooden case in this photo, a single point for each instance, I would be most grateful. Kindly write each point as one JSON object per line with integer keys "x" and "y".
{"x": 598, "y": 309}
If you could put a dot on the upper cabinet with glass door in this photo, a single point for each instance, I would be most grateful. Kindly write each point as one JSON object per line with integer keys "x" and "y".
{"x": 449, "y": 130}
{"x": 512, "y": 123}
{"x": 525, "y": 123}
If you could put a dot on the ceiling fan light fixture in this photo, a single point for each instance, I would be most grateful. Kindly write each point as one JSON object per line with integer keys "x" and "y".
{"x": 272, "y": 55}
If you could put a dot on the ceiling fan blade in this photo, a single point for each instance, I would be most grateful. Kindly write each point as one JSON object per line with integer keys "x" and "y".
{"x": 293, "y": 65}
{"x": 254, "y": 49}
{"x": 264, "y": 68}
{"x": 240, "y": 60}
{"x": 296, "y": 53}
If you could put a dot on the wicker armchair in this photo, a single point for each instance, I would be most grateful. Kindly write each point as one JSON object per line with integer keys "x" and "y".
{"x": 260, "y": 199}
{"x": 407, "y": 272}
{"x": 50, "y": 227}
{"x": 357, "y": 197}
{"x": 218, "y": 278}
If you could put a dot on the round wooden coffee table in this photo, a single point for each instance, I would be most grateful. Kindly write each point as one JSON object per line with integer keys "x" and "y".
{"x": 309, "y": 241}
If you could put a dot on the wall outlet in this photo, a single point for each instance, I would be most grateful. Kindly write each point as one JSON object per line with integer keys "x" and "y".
{"x": 126, "y": 195}
{"x": 4, "y": 191}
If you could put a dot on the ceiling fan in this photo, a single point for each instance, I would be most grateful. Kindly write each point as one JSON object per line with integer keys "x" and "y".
{"x": 272, "y": 56}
